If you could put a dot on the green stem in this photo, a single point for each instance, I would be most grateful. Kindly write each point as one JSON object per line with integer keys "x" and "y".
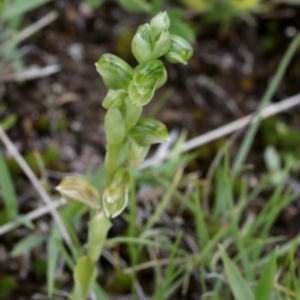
{"x": 111, "y": 161}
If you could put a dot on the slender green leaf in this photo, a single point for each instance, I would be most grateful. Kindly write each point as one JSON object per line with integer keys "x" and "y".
{"x": 247, "y": 142}
{"x": 53, "y": 255}
{"x": 265, "y": 284}
{"x": 100, "y": 294}
{"x": 23, "y": 219}
{"x": 238, "y": 285}
{"x": 69, "y": 260}
{"x": 8, "y": 190}
{"x": 18, "y": 8}
{"x": 26, "y": 244}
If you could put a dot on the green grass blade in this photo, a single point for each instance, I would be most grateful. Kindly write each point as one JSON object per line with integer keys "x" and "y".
{"x": 100, "y": 294}
{"x": 164, "y": 203}
{"x": 26, "y": 244}
{"x": 200, "y": 223}
{"x": 53, "y": 255}
{"x": 69, "y": 260}
{"x": 238, "y": 285}
{"x": 170, "y": 271}
{"x": 265, "y": 284}
{"x": 139, "y": 241}
{"x": 247, "y": 142}
{"x": 8, "y": 190}
{"x": 19, "y": 8}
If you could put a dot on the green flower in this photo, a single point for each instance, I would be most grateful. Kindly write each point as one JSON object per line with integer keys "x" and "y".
{"x": 146, "y": 79}
{"x": 114, "y": 99}
{"x": 152, "y": 41}
{"x": 148, "y": 131}
{"x": 141, "y": 44}
{"x": 115, "y": 196}
{"x": 78, "y": 189}
{"x": 180, "y": 51}
{"x": 159, "y": 24}
{"x": 136, "y": 153}
{"x": 115, "y": 72}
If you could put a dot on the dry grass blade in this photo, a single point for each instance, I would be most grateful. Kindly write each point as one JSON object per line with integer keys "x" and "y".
{"x": 37, "y": 213}
{"x": 32, "y": 72}
{"x": 35, "y": 27}
{"x": 35, "y": 182}
{"x": 206, "y": 138}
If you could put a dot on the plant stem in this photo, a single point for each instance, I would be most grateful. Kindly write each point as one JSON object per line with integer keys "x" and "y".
{"x": 111, "y": 161}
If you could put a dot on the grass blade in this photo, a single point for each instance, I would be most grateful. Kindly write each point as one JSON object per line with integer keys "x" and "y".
{"x": 27, "y": 243}
{"x": 247, "y": 142}
{"x": 21, "y": 7}
{"x": 265, "y": 284}
{"x": 53, "y": 254}
{"x": 8, "y": 190}
{"x": 239, "y": 287}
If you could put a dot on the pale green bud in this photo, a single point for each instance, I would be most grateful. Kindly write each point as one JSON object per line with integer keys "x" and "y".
{"x": 148, "y": 131}
{"x": 115, "y": 196}
{"x": 147, "y": 45}
{"x": 158, "y": 24}
{"x": 138, "y": 98}
{"x": 117, "y": 186}
{"x": 141, "y": 44}
{"x": 147, "y": 77}
{"x": 162, "y": 45}
{"x": 98, "y": 228}
{"x": 149, "y": 73}
{"x": 114, "y": 99}
{"x": 114, "y": 126}
{"x": 180, "y": 51}
{"x": 77, "y": 189}
{"x": 113, "y": 209}
{"x": 115, "y": 72}
{"x": 137, "y": 153}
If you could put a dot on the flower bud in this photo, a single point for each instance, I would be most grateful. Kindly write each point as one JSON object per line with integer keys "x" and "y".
{"x": 114, "y": 99}
{"x": 98, "y": 228}
{"x": 114, "y": 126}
{"x": 158, "y": 24}
{"x": 137, "y": 153}
{"x": 148, "y": 131}
{"x": 147, "y": 74}
{"x": 180, "y": 51}
{"x": 147, "y": 77}
{"x": 115, "y": 196}
{"x": 115, "y": 72}
{"x": 77, "y": 189}
{"x": 141, "y": 44}
{"x": 138, "y": 98}
{"x": 113, "y": 209}
{"x": 162, "y": 45}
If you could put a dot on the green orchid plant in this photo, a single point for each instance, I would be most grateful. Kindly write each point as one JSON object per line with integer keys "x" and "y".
{"x": 129, "y": 89}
